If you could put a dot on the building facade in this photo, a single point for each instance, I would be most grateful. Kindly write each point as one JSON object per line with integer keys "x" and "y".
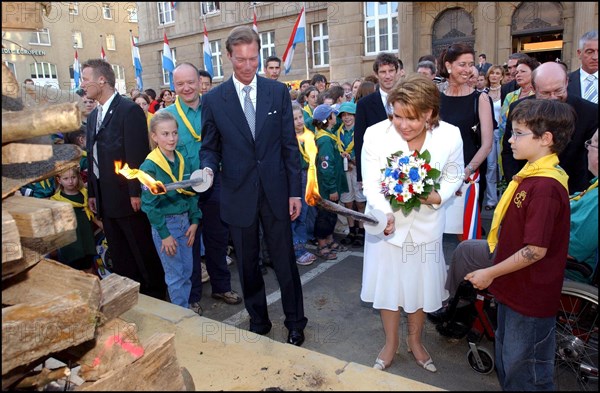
{"x": 343, "y": 39}
{"x": 47, "y": 55}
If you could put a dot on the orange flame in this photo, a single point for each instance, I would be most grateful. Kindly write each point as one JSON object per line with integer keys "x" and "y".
{"x": 156, "y": 187}
{"x": 311, "y": 195}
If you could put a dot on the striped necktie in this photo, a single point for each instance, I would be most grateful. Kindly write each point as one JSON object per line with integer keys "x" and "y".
{"x": 95, "y": 149}
{"x": 591, "y": 91}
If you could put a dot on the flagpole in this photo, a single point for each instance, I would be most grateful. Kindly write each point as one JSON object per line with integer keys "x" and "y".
{"x": 305, "y": 35}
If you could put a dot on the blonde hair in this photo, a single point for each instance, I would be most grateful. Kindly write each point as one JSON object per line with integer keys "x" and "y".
{"x": 159, "y": 117}
{"x": 77, "y": 171}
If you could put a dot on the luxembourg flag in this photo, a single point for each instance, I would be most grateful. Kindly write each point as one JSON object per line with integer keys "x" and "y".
{"x": 255, "y": 28}
{"x": 167, "y": 60}
{"x": 137, "y": 64}
{"x": 207, "y": 54}
{"x": 102, "y": 54}
{"x": 76, "y": 73}
{"x": 298, "y": 35}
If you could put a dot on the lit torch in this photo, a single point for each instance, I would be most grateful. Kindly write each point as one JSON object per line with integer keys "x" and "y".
{"x": 374, "y": 222}
{"x": 200, "y": 180}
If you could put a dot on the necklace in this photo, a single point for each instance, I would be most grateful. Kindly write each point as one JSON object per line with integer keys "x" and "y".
{"x": 495, "y": 88}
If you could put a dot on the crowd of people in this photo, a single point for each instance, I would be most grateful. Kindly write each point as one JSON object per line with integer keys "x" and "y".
{"x": 516, "y": 139}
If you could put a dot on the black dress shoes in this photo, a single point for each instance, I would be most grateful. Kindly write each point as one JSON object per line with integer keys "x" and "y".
{"x": 296, "y": 337}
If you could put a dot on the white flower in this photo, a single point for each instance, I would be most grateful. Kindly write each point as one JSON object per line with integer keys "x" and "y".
{"x": 418, "y": 187}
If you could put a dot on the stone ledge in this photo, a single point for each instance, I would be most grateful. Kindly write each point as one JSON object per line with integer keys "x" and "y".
{"x": 222, "y": 357}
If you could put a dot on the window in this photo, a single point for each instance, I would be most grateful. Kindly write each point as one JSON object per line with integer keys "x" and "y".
{"x": 77, "y": 39}
{"x": 165, "y": 74}
{"x": 267, "y": 47}
{"x": 209, "y": 7}
{"x": 106, "y": 11}
{"x": 320, "y": 44}
{"x": 73, "y": 8}
{"x": 119, "y": 78}
{"x": 111, "y": 44}
{"x": 40, "y": 37}
{"x": 215, "y": 50}
{"x": 43, "y": 71}
{"x": 381, "y": 27}
{"x": 12, "y": 68}
{"x": 132, "y": 14}
{"x": 166, "y": 13}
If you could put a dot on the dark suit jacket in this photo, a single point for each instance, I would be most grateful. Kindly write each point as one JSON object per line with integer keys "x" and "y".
{"x": 507, "y": 88}
{"x": 574, "y": 86}
{"x": 483, "y": 68}
{"x": 123, "y": 137}
{"x": 573, "y": 158}
{"x": 271, "y": 161}
{"x": 369, "y": 111}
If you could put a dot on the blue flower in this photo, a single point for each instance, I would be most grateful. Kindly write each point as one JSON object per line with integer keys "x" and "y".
{"x": 388, "y": 172}
{"x": 398, "y": 188}
{"x": 414, "y": 174}
{"x": 404, "y": 160}
{"x": 396, "y": 174}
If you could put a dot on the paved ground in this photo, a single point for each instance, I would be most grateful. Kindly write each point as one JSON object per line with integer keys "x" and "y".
{"x": 341, "y": 325}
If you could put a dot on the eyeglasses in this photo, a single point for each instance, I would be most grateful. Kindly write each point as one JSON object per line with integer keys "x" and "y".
{"x": 588, "y": 144}
{"x": 556, "y": 93}
{"x": 516, "y": 136}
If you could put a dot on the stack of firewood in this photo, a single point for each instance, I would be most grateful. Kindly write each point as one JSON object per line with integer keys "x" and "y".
{"x": 61, "y": 325}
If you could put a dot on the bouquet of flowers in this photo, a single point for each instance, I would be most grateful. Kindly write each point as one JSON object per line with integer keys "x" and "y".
{"x": 407, "y": 178}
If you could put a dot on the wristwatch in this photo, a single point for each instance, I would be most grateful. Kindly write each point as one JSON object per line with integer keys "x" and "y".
{"x": 470, "y": 167}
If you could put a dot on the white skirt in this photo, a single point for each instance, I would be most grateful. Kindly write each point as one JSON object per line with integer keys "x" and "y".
{"x": 411, "y": 277}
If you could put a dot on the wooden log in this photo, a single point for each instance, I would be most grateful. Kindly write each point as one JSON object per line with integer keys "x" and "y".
{"x": 17, "y": 153}
{"x": 158, "y": 369}
{"x": 119, "y": 294}
{"x": 42, "y": 120}
{"x": 15, "y": 176}
{"x": 39, "y": 218}
{"x": 116, "y": 346}
{"x": 49, "y": 279}
{"x": 12, "y": 268}
{"x": 43, "y": 378}
{"x": 11, "y": 243}
{"x": 31, "y": 331}
{"x": 24, "y": 16}
{"x": 48, "y": 244}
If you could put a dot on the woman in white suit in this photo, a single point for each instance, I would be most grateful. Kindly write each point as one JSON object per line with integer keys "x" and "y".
{"x": 404, "y": 266}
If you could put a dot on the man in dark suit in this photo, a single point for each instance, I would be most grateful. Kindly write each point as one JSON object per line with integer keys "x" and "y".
{"x": 483, "y": 66}
{"x": 247, "y": 126}
{"x": 550, "y": 83}
{"x": 587, "y": 75}
{"x": 371, "y": 109}
{"x": 512, "y": 68}
{"x": 117, "y": 131}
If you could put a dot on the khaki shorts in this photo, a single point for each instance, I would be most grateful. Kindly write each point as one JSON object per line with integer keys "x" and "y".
{"x": 354, "y": 188}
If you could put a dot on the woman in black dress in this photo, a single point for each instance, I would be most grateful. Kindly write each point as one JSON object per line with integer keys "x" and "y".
{"x": 458, "y": 105}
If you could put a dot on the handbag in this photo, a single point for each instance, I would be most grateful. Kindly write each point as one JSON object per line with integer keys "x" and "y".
{"x": 476, "y": 122}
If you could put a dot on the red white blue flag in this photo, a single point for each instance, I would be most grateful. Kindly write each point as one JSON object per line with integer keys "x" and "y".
{"x": 298, "y": 35}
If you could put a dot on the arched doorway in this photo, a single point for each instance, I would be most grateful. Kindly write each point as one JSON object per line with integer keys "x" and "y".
{"x": 537, "y": 29}
{"x": 452, "y": 25}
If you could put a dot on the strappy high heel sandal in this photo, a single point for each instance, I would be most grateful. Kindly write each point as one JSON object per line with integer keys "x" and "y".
{"x": 427, "y": 364}
{"x": 380, "y": 364}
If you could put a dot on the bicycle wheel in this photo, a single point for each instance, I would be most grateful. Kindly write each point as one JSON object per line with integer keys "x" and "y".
{"x": 576, "y": 360}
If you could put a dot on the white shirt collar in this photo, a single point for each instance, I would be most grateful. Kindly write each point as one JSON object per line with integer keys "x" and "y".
{"x": 239, "y": 86}
{"x": 106, "y": 105}
{"x": 584, "y": 75}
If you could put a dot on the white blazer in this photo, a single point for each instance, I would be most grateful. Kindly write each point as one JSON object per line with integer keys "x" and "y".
{"x": 444, "y": 143}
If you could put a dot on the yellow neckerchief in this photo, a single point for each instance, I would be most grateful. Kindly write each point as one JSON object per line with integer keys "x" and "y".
{"x": 341, "y": 145}
{"x": 581, "y": 194}
{"x": 546, "y": 166}
{"x": 83, "y": 153}
{"x": 321, "y": 133}
{"x": 310, "y": 139}
{"x": 159, "y": 159}
{"x": 59, "y": 197}
{"x": 187, "y": 123}
{"x": 308, "y": 110}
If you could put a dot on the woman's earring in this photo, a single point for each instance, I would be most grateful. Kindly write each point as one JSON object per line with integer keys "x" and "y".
{"x": 449, "y": 71}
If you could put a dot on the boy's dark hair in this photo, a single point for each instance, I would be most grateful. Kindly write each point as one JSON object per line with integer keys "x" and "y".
{"x": 336, "y": 92}
{"x": 205, "y": 74}
{"x": 385, "y": 59}
{"x": 304, "y": 81}
{"x": 272, "y": 58}
{"x": 321, "y": 97}
{"x": 318, "y": 78}
{"x": 483, "y": 55}
{"x": 553, "y": 116}
{"x": 71, "y": 137}
{"x": 151, "y": 93}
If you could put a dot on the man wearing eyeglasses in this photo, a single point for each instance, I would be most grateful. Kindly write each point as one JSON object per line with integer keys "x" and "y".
{"x": 550, "y": 82}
